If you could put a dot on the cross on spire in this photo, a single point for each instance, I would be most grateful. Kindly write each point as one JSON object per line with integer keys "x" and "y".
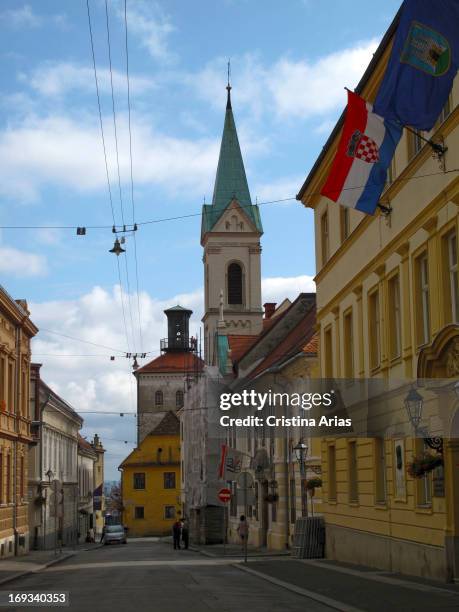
{"x": 228, "y": 86}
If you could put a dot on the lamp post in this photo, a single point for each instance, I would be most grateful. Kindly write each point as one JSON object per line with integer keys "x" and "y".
{"x": 414, "y": 404}
{"x": 301, "y": 451}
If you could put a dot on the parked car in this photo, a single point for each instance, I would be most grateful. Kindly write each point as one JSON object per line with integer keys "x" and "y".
{"x": 114, "y": 533}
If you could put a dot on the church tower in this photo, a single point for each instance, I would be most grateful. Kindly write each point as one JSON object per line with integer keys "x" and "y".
{"x": 230, "y": 235}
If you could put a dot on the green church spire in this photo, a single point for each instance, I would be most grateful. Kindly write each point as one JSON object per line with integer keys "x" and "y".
{"x": 230, "y": 181}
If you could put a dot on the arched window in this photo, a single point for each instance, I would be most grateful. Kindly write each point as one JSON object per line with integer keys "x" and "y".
{"x": 159, "y": 398}
{"x": 179, "y": 399}
{"x": 234, "y": 284}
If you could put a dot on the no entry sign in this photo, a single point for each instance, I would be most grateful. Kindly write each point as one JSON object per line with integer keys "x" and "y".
{"x": 224, "y": 495}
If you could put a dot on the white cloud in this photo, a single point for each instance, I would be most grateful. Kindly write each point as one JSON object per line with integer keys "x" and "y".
{"x": 25, "y": 17}
{"x": 276, "y": 289}
{"x": 68, "y": 152}
{"x": 21, "y": 17}
{"x": 303, "y": 89}
{"x": 56, "y": 79}
{"x": 148, "y": 22}
{"x": 21, "y": 263}
{"x": 287, "y": 88}
{"x": 281, "y": 188}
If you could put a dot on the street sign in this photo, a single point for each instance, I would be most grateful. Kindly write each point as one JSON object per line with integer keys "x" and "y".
{"x": 224, "y": 495}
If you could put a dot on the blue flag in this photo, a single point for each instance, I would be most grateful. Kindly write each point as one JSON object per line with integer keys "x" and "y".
{"x": 423, "y": 63}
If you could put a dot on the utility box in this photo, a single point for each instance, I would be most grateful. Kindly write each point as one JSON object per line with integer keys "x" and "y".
{"x": 309, "y": 538}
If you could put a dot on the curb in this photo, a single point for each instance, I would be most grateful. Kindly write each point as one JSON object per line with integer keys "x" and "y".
{"x": 60, "y": 559}
{"x": 207, "y": 553}
{"x": 328, "y": 601}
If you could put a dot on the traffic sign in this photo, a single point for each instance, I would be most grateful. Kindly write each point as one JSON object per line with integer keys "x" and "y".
{"x": 224, "y": 495}
{"x": 245, "y": 480}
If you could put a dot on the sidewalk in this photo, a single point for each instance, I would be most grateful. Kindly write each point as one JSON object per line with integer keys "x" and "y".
{"x": 15, "y": 567}
{"x": 356, "y": 589}
{"x": 235, "y": 550}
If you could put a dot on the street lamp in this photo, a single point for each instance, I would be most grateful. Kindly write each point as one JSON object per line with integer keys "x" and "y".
{"x": 50, "y": 475}
{"x": 414, "y": 403}
{"x": 301, "y": 451}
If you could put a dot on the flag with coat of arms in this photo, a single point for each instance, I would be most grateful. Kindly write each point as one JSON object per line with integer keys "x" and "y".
{"x": 365, "y": 150}
{"x": 423, "y": 63}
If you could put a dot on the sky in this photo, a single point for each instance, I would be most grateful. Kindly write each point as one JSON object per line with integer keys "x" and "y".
{"x": 290, "y": 62}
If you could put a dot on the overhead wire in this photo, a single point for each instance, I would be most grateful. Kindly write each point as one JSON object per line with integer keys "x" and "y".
{"x": 199, "y": 214}
{"x": 132, "y": 175}
{"x": 100, "y": 112}
{"x": 115, "y": 129}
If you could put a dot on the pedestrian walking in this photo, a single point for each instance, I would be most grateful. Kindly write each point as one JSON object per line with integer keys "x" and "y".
{"x": 243, "y": 530}
{"x": 102, "y": 534}
{"x": 185, "y": 533}
{"x": 176, "y": 533}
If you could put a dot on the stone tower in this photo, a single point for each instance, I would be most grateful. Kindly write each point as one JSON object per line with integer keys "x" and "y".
{"x": 161, "y": 383}
{"x": 230, "y": 235}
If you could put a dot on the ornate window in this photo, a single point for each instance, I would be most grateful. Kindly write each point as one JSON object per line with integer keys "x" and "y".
{"x": 159, "y": 398}
{"x": 234, "y": 284}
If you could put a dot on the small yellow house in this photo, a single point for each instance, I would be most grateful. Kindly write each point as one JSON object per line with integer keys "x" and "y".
{"x": 150, "y": 480}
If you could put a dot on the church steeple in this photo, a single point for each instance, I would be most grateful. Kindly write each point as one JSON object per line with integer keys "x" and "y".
{"x": 231, "y": 180}
{"x": 230, "y": 234}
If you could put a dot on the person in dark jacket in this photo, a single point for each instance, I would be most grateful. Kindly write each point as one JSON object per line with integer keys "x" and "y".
{"x": 176, "y": 533}
{"x": 185, "y": 533}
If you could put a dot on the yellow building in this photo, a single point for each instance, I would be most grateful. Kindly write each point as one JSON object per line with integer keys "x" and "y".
{"x": 150, "y": 479}
{"x": 388, "y": 308}
{"x": 16, "y": 331}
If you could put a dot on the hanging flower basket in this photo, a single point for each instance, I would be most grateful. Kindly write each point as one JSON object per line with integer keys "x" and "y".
{"x": 423, "y": 464}
{"x": 313, "y": 483}
{"x": 272, "y": 498}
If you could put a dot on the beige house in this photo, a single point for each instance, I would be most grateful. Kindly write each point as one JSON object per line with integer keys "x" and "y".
{"x": 388, "y": 310}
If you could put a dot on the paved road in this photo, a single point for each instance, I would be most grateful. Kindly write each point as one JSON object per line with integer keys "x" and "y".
{"x": 151, "y": 576}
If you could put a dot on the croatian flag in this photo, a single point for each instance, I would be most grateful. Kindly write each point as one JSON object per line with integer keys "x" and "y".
{"x": 365, "y": 151}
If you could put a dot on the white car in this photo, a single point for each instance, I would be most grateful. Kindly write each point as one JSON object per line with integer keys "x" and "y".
{"x": 114, "y": 533}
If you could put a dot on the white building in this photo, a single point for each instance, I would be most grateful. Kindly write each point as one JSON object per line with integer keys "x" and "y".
{"x": 53, "y": 483}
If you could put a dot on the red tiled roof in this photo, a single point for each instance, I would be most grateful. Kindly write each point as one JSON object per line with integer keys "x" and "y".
{"x": 84, "y": 443}
{"x": 291, "y": 345}
{"x": 312, "y": 346}
{"x": 239, "y": 344}
{"x": 180, "y": 361}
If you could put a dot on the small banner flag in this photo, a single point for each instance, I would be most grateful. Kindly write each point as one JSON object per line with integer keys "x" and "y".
{"x": 422, "y": 65}
{"x": 230, "y": 463}
{"x": 365, "y": 151}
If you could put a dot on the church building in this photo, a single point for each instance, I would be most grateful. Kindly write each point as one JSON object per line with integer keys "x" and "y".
{"x": 230, "y": 235}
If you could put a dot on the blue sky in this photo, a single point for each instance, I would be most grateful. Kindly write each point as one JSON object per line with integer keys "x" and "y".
{"x": 290, "y": 62}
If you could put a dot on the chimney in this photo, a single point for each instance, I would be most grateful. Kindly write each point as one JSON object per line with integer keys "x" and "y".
{"x": 269, "y": 307}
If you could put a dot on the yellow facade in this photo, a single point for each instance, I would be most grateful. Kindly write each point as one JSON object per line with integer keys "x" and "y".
{"x": 388, "y": 308}
{"x": 16, "y": 331}
{"x": 150, "y": 482}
